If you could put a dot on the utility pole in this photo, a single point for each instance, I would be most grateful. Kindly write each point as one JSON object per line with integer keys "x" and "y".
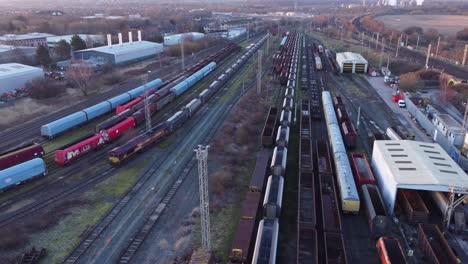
{"x": 428, "y": 55}
{"x": 259, "y": 72}
{"x": 417, "y": 43}
{"x": 437, "y": 49}
{"x": 464, "y": 55}
{"x": 398, "y": 47}
{"x": 358, "y": 118}
{"x": 377, "y": 43}
{"x": 147, "y": 110}
{"x": 466, "y": 112}
{"x": 382, "y": 52}
{"x": 268, "y": 43}
{"x": 388, "y": 61}
{"x": 202, "y": 157}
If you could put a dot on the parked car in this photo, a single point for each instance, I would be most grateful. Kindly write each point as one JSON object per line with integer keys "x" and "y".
{"x": 401, "y": 103}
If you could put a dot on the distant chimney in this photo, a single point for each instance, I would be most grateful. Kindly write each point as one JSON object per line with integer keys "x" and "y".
{"x": 130, "y": 37}
{"x": 109, "y": 40}
{"x": 120, "y": 39}
{"x": 139, "y": 35}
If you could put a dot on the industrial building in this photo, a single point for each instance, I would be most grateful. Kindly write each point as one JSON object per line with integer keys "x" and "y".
{"x": 9, "y": 54}
{"x": 26, "y": 40}
{"x": 449, "y": 128}
{"x": 15, "y": 75}
{"x": 89, "y": 39}
{"x": 351, "y": 62}
{"x": 176, "y": 39}
{"x": 121, "y": 54}
{"x": 407, "y": 164}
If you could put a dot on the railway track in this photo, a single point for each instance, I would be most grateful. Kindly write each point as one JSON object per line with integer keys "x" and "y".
{"x": 95, "y": 158}
{"x": 157, "y": 209}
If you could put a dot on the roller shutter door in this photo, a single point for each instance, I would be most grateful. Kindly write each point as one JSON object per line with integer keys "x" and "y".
{"x": 360, "y": 67}
{"x": 347, "y": 67}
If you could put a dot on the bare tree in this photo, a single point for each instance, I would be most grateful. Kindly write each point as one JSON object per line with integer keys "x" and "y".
{"x": 80, "y": 74}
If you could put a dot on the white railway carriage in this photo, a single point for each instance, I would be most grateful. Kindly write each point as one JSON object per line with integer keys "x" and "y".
{"x": 349, "y": 196}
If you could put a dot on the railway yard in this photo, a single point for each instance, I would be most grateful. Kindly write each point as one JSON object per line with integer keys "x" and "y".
{"x": 114, "y": 179}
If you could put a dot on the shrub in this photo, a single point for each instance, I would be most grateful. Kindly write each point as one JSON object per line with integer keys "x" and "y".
{"x": 410, "y": 81}
{"x": 42, "y": 88}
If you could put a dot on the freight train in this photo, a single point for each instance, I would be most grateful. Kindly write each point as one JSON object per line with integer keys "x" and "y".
{"x": 122, "y": 153}
{"x": 63, "y": 124}
{"x": 346, "y": 185}
{"x": 22, "y": 172}
{"x": 124, "y": 101}
{"x": 282, "y": 59}
{"x": 267, "y": 233}
{"x": 74, "y": 150}
{"x": 21, "y": 154}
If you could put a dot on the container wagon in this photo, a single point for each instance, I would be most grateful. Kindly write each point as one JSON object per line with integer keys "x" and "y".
{"x": 282, "y": 136}
{"x": 434, "y": 245}
{"x": 377, "y": 218}
{"x": 413, "y": 205}
{"x": 258, "y": 177}
{"x": 306, "y": 213}
{"x": 342, "y": 115}
{"x": 335, "y": 251}
{"x": 362, "y": 171}
{"x": 307, "y": 251}
{"x": 241, "y": 245}
{"x": 202, "y": 256}
{"x": 330, "y": 210}
{"x": 390, "y": 251}
{"x": 441, "y": 201}
{"x": 21, "y": 173}
{"x": 269, "y": 128}
{"x": 273, "y": 197}
{"x": 318, "y": 63}
{"x": 19, "y": 155}
{"x": 305, "y": 162}
{"x": 278, "y": 162}
{"x": 349, "y": 134}
{"x": 266, "y": 242}
{"x": 78, "y": 148}
{"x": 323, "y": 157}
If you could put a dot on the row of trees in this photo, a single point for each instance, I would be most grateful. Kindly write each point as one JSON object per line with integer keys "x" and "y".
{"x": 62, "y": 50}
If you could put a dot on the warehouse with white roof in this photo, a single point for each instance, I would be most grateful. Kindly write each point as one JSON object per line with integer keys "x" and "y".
{"x": 120, "y": 54}
{"x": 351, "y": 62}
{"x": 407, "y": 164}
{"x": 14, "y": 76}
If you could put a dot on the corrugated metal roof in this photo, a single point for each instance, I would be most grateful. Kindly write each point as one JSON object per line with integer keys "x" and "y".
{"x": 15, "y": 68}
{"x": 68, "y": 38}
{"x": 35, "y": 35}
{"x": 419, "y": 165}
{"x": 350, "y": 57}
{"x": 451, "y": 124}
{"x": 118, "y": 49}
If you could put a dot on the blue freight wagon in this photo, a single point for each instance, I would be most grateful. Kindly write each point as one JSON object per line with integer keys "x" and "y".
{"x": 65, "y": 123}
{"x": 22, "y": 172}
{"x": 194, "y": 78}
{"x": 58, "y": 126}
{"x": 97, "y": 110}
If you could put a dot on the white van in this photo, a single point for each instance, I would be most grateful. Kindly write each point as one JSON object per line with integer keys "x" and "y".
{"x": 401, "y": 103}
